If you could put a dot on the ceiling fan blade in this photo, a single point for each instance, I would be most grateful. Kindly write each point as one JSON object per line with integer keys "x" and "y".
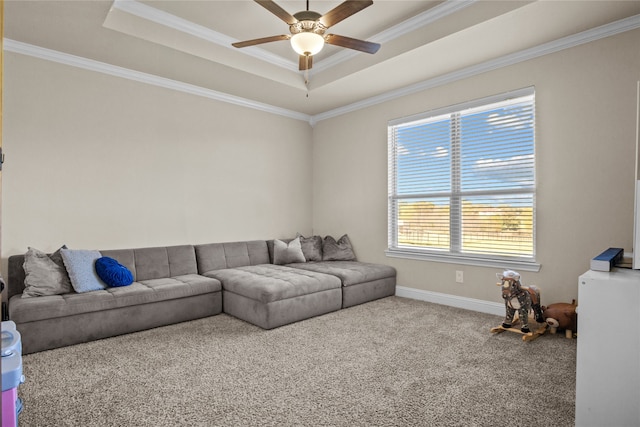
{"x": 277, "y": 10}
{"x": 343, "y": 11}
{"x": 361, "y": 45}
{"x": 260, "y": 41}
{"x": 305, "y": 62}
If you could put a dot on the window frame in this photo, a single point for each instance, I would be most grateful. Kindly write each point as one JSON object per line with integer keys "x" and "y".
{"x": 527, "y": 263}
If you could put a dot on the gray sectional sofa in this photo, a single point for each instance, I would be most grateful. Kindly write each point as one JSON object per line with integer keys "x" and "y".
{"x": 180, "y": 283}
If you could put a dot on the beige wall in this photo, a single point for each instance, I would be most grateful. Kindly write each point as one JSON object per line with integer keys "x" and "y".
{"x": 99, "y": 162}
{"x": 95, "y": 161}
{"x": 585, "y": 147}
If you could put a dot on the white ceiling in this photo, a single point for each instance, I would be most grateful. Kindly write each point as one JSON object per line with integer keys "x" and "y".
{"x": 189, "y": 42}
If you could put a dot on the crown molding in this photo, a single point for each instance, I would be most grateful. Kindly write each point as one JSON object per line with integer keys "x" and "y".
{"x": 617, "y": 27}
{"x": 160, "y": 17}
{"x": 607, "y": 30}
{"x": 422, "y": 19}
{"x": 125, "y": 73}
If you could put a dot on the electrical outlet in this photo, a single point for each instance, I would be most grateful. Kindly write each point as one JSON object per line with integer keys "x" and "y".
{"x": 459, "y": 277}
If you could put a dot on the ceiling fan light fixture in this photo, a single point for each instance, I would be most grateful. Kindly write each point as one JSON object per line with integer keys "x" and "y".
{"x": 307, "y": 43}
{"x": 308, "y": 28}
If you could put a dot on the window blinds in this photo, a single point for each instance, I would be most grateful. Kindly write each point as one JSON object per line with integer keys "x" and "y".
{"x": 462, "y": 179}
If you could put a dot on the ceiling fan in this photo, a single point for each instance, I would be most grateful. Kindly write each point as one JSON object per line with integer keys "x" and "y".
{"x": 308, "y": 30}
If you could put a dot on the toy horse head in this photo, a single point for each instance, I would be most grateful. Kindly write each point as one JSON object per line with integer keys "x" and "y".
{"x": 507, "y": 277}
{"x": 510, "y": 282}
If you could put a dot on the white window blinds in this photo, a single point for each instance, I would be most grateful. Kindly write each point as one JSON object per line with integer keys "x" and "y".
{"x": 462, "y": 180}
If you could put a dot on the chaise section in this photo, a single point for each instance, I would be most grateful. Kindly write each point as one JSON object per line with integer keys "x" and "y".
{"x": 361, "y": 281}
{"x": 264, "y": 294}
{"x": 271, "y": 295}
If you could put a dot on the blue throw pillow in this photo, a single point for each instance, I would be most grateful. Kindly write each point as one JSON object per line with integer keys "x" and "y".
{"x": 112, "y": 272}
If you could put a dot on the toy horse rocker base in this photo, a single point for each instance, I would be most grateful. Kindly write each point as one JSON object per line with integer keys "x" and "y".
{"x": 521, "y": 300}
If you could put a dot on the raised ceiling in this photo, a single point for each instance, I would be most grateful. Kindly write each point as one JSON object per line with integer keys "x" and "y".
{"x": 189, "y": 43}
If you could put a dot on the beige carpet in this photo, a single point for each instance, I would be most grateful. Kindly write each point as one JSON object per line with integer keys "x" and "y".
{"x": 390, "y": 362}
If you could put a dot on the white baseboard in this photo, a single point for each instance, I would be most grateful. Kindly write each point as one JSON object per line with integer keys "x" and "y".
{"x": 452, "y": 300}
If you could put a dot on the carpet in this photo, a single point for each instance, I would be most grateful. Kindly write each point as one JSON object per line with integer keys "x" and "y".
{"x": 391, "y": 362}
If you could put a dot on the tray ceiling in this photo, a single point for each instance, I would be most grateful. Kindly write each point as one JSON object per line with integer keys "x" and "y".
{"x": 190, "y": 42}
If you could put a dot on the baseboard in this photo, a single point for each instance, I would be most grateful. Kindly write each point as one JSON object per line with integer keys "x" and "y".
{"x": 452, "y": 300}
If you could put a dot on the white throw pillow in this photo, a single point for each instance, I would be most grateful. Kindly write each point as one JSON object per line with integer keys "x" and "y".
{"x": 80, "y": 265}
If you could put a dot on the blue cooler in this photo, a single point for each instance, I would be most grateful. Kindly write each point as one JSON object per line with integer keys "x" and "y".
{"x": 11, "y": 374}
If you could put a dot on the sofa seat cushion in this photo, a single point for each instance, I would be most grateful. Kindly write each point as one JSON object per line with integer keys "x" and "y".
{"x": 24, "y": 310}
{"x": 268, "y": 283}
{"x": 349, "y": 272}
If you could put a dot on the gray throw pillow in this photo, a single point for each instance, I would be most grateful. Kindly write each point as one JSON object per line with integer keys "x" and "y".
{"x": 311, "y": 247}
{"x": 81, "y": 269}
{"x": 44, "y": 274}
{"x": 287, "y": 253}
{"x": 337, "y": 251}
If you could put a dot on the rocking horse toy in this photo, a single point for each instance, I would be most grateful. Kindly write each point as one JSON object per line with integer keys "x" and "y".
{"x": 520, "y": 299}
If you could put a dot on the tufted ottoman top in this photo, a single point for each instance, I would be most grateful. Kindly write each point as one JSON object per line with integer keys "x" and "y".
{"x": 267, "y": 282}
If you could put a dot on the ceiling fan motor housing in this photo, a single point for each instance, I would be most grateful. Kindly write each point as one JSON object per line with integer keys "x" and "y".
{"x": 308, "y": 22}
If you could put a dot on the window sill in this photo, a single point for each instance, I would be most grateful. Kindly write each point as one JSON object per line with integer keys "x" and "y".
{"x": 466, "y": 260}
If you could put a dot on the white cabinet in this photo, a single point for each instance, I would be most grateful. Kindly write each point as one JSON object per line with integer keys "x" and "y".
{"x": 608, "y": 355}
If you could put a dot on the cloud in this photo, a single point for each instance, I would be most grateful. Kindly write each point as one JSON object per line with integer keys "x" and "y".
{"x": 440, "y": 152}
{"x": 511, "y": 121}
{"x": 516, "y": 169}
{"x": 502, "y": 165}
{"x": 437, "y": 152}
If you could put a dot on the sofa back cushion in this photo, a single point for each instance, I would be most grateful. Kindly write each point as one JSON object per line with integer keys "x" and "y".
{"x": 218, "y": 256}
{"x": 156, "y": 263}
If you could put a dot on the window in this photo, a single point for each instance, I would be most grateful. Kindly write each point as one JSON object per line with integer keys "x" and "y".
{"x": 462, "y": 183}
